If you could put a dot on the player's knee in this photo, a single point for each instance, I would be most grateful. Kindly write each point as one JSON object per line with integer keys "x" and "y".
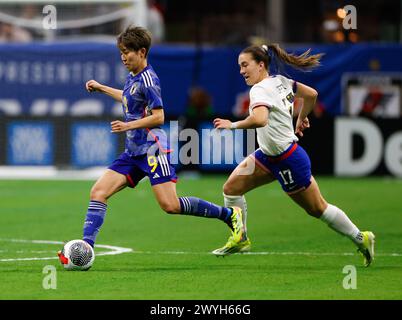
{"x": 316, "y": 210}
{"x": 169, "y": 207}
{"x": 229, "y": 189}
{"x": 98, "y": 194}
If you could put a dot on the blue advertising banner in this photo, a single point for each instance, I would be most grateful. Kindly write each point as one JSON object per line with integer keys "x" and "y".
{"x": 30, "y": 143}
{"x": 92, "y": 144}
{"x": 49, "y": 79}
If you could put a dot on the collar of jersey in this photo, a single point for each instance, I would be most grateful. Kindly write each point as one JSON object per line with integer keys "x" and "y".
{"x": 139, "y": 73}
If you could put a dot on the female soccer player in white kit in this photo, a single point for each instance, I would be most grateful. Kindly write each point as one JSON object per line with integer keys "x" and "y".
{"x": 279, "y": 157}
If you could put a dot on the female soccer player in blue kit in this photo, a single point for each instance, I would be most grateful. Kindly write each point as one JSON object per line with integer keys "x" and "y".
{"x": 146, "y": 149}
{"x": 279, "y": 157}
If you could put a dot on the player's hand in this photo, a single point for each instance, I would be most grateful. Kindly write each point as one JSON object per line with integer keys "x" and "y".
{"x": 301, "y": 125}
{"x": 93, "y": 85}
{"x": 119, "y": 126}
{"x": 222, "y": 123}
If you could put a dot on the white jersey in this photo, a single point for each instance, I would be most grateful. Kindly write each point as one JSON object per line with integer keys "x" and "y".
{"x": 276, "y": 93}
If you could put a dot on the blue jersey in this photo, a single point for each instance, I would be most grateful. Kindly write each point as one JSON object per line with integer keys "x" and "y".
{"x": 141, "y": 94}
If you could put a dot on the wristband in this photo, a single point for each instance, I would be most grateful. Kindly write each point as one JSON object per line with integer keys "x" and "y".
{"x": 233, "y": 125}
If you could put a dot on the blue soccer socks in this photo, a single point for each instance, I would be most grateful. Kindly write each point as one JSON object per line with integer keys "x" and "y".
{"x": 201, "y": 208}
{"x": 94, "y": 220}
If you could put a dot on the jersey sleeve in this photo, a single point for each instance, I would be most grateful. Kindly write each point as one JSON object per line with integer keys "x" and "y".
{"x": 289, "y": 83}
{"x": 260, "y": 97}
{"x": 153, "y": 96}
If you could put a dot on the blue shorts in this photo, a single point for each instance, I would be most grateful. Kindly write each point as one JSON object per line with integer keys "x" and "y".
{"x": 156, "y": 167}
{"x": 292, "y": 168}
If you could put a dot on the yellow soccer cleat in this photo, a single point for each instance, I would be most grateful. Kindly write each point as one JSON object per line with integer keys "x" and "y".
{"x": 367, "y": 247}
{"x": 237, "y": 227}
{"x": 232, "y": 246}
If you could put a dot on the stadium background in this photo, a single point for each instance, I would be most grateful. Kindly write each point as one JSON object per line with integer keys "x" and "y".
{"x": 42, "y": 80}
{"x": 52, "y": 128}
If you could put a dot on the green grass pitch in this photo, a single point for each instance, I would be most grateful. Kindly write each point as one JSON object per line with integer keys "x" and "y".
{"x": 294, "y": 256}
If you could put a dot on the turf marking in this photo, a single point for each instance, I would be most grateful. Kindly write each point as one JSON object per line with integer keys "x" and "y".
{"x": 270, "y": 253}
{"x": 113, "y": 249}
{"x": 119, "y": 250}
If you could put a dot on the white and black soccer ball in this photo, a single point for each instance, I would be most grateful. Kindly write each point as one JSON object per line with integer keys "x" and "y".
{"x": 77, "y": 255}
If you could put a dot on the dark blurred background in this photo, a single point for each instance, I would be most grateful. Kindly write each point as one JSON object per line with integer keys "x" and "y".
{"x": 222, "y": 22}
{"x": 47, "y": 55}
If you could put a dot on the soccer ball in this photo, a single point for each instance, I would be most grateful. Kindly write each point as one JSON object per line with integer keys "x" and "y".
{"x": 77, "y": 255}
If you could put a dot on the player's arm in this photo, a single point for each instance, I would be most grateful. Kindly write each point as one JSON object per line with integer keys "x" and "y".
{"x": 258, "y": 118}
{"x": 93, "y": 85}
{"x": 157, "y": 118}
{"x": 309, "y": 96}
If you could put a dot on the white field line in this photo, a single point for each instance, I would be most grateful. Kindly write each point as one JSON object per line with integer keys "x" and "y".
{"x": 113, "y": 249}
{"x": 119, "y": 250}
{"x": 270, "y": 253}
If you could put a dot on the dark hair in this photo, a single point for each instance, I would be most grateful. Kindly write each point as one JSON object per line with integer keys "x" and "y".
{"x": 134, "y": 38}
{"x": 266, "y": 53}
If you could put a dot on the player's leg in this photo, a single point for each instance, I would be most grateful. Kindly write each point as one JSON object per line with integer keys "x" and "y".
{"x": 165, "y": 194}
{"x": 163, "y": 177}
{"x": 123, "y": 172}
{"x": 248, "y": 175}
{"x": 107, "y": 185}
{"x": 315, "y": 205}
{"x": 294, "y": 175}
{"x": 293, "y": 171}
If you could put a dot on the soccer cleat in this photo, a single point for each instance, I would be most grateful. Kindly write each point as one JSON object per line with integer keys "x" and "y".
{"x": 367, "y": 247}
{"x": 237, "y": 224}
{"x": 232, "y": 246}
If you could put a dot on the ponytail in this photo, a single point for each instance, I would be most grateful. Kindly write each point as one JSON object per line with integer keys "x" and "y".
{"x": 274, "y": 53}
{"x": 304, "y": 61}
